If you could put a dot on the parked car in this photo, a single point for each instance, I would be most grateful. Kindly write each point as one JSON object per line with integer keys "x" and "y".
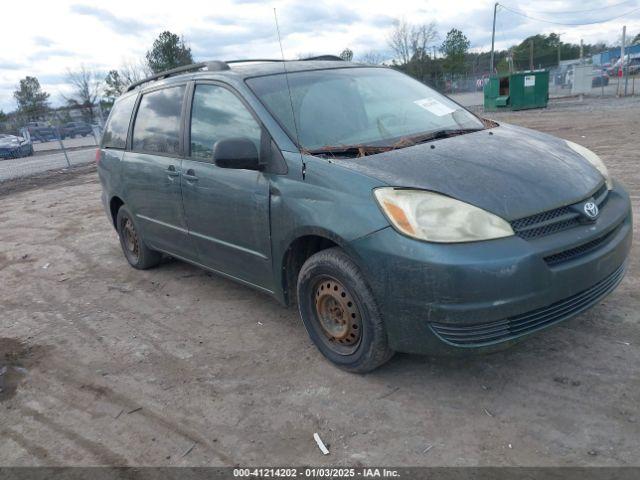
{"x": 41, "y": 131}
{"x": 633, "y": 67}
{"x": 73, "y": 129}
{"x": 600, "y": 79}
{"x": 12, "y": 146}
{"x": 395, "y": 219}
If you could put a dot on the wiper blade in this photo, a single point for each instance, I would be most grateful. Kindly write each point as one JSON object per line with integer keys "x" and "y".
{"x": 438, "y": 134}
{"x": 365, "y": 150}
{"x": 349, "y": 150}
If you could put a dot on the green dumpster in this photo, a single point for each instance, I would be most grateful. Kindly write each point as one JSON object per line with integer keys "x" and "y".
{"x": 517, "y": 91}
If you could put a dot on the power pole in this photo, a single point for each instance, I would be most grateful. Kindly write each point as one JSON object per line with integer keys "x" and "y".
{"x": 531, "y": 55}
{"x": 581, "y": 51}
{"x": 624, "y": 41}
{"x": 493, "y": 36}
{"x": 559, "y": 43}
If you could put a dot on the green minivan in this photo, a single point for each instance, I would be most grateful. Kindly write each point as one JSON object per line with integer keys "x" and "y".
{"x": 396, "y": 220}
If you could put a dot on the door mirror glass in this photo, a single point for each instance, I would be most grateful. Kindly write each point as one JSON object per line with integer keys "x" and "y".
{"x": 239, "y": 153}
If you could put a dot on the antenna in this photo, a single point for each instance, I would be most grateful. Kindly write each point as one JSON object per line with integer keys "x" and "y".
{"x": 293, "y": 113}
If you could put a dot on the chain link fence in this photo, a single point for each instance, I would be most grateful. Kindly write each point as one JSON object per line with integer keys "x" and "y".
{"x": 68, "y": 136}
{"x": 59, "y": 139}
{"x": 572, "y": 81}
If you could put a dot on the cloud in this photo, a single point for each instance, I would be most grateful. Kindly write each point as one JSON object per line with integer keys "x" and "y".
{"x": 42, "y": 41}
{"x": 303, "y": 16}
{"x": 126, "y": 26}
{"x": 9, "y": 65}
{"x": 49, "y": 53}
{"x": 53, "y": 79}
{"x": 380, "y": 20}
{"x": 218, "y": 43}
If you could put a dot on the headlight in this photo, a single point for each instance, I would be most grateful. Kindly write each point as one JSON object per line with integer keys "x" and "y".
{"x": 436, "y": 218}
{"x": 594, "y": 160}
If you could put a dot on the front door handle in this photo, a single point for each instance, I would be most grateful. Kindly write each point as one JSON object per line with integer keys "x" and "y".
{"x": 190, "y": 176}
{"x": 172, "y": 172}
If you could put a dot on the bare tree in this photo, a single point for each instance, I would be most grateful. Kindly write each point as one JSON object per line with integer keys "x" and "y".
{"x": 346, "y": 54}
{"x": 372, "y": 57}
{"x": 87, "y": 86}
{"x": 303, "y": 56}
{"x": 399, "y": 40}
{"x": 408, "y": 41}
{"x": 421, "y": 37}
{"x": 132, "y": 72}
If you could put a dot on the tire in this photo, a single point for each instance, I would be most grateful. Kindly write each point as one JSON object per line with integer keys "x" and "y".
{"x": 135, "y": 250}
{"x": 340, "y": 314}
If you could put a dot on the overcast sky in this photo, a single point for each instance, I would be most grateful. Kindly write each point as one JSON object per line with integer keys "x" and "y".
{"x": 46, "y": 38}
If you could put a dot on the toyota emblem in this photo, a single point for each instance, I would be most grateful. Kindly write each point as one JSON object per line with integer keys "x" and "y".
{"x": 591, "y": 210}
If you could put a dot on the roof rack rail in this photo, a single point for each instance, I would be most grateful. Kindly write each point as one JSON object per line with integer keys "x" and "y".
{"x": 319, "y": 57}
{"x": 218, "y": 66}
{"x": 324, "y": 57}
{"x": 214, "y": 65}
{"x": 255, "y": 60}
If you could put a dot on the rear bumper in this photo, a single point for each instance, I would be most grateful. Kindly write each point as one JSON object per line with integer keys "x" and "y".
{"x": 438, "y": 298}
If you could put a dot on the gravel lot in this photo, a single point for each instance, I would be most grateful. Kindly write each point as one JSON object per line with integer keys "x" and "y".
{"x": 173, "y": 366}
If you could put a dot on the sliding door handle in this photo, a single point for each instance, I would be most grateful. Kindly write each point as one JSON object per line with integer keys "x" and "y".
{"x": 190, "y": 176}
{"x": 172, "y": 172}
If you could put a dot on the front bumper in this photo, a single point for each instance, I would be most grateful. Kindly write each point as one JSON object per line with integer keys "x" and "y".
{"x": 438, "y": 298}
{"x": 14, "y": 152}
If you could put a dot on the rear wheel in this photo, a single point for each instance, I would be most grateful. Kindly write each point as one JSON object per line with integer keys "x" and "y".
{"x": 135, "y": 250}
{"x": 340, "y": 314}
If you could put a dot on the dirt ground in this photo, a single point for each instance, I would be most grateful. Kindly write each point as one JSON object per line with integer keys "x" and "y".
{"x": 173, "y": 366}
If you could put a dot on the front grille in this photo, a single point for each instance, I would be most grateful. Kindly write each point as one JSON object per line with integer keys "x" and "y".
{"x": 554, "y": 221}
{"x": 580, "y": 250}
{"x": 502, "y": 330}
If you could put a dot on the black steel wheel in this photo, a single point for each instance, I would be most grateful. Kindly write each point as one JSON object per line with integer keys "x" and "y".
{"x": 340, "y": 313}
{"x": 135, "y": 250}
{"x": 338, "y": 316}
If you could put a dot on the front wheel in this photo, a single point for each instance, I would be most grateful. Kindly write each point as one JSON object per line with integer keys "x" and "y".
{"x": 135, "y": 250}
{"x": 340, "y": 313}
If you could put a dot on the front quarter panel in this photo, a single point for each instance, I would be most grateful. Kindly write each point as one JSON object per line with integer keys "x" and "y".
{"x": 331, "y": 201}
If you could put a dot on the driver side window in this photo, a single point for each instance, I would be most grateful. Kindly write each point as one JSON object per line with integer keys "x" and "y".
{"x": 218, "y": 114}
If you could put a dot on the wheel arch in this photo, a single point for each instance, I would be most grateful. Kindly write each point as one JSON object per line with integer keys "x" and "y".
{"x": 114, "y": 205}
{"x": 299, "y": 248}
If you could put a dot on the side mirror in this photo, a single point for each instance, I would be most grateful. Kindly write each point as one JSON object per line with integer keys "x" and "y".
{"x": 238, "y": 153}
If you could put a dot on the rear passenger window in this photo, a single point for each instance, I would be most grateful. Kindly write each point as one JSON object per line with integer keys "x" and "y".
{"x": 115, "y": 132}
{"x": 218, "y": 114}
{"x": 157, "y": 125}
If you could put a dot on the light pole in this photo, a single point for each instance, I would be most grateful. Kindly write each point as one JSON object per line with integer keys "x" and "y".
{"x": 493, "y": 36}
{"x": 560, "y": 46}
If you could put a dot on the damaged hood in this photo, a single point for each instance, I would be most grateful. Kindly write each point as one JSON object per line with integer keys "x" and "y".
{"x": 510, "y": 171}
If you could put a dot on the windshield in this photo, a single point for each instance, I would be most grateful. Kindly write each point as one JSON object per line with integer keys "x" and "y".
{"x": 358, "y": 106}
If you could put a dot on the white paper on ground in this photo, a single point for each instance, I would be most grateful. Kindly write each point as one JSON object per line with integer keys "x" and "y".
{"x": 321, "y": 445}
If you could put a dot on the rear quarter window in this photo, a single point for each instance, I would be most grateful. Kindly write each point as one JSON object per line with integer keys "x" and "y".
{"x": 115, "y": 132}
{"x": 157, "y": 125}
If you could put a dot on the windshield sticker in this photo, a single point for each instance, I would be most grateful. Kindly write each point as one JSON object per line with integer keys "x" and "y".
{"x": 434, "y": 106}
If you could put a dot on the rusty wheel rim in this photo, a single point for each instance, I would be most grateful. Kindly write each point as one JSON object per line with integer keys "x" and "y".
{"x": 337, "y": 315}
{"x": 130, "y": 239}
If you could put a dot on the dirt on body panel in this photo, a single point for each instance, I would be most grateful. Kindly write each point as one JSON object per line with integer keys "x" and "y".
{"x": 174, "y": 366}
